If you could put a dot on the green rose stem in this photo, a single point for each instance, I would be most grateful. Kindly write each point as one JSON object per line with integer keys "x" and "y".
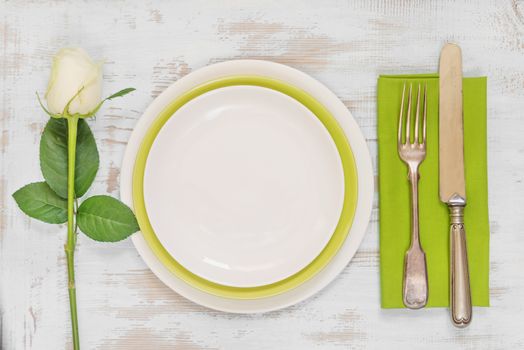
{"x": 72, "y": 124}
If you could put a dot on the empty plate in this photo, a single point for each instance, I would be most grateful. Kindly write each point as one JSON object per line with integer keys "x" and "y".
{"x": 245, "y": 187}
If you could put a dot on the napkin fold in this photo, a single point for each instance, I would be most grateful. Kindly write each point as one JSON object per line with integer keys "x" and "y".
{"x": 394, "y": 197}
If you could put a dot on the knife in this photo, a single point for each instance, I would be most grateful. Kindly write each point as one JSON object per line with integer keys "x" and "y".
{"x": 451, "y": 177}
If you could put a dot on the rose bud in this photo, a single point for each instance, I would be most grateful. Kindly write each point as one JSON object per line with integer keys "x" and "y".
{"x": 74, "y": 73}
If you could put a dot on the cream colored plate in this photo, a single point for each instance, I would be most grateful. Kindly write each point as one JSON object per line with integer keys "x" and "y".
{"x": 243, "y": 186}
{"x": 358, "y": 146}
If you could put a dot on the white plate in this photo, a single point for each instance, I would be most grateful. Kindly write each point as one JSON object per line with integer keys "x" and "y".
{"x": 244, "y": 186}
{"x": 362, "y": 160}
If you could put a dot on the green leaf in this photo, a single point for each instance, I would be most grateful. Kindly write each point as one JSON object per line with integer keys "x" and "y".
{"x": 53, "y": 157}
{"x": 121, "y": 93}
{"x": 106, "y": 219}
{"x": 40, "y": 202}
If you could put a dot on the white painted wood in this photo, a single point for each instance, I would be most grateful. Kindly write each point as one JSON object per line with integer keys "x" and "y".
{"x": 148, "y": 45}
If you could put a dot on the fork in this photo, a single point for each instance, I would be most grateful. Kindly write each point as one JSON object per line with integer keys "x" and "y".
{"x": 415, "y": 284}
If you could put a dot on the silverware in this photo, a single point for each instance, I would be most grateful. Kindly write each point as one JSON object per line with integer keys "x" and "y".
{"x": 415, "y": 285}
{"x": 452, "y": 181}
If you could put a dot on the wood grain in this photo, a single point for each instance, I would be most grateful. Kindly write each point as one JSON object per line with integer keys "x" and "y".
{"x": 151, "y": 44}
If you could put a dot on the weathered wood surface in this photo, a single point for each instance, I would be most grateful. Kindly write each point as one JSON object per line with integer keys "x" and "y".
{"x": 149, "y": 45}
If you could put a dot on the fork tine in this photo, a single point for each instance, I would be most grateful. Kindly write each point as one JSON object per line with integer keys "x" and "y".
{"x": 399, "y": 138}
{"x": 417, "y": 112}
{"x": 408, "y": 121}
{"x": 425, "y": 110}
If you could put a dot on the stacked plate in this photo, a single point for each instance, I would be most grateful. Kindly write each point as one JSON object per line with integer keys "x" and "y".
{"x": 252, "y": 185}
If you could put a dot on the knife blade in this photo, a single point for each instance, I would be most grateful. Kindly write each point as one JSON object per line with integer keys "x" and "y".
{"x": 451, "y": 140}
{"x": 452, "y": 184}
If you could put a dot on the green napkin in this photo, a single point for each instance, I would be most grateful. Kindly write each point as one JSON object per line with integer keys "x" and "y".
{"x": 434, "y": 221}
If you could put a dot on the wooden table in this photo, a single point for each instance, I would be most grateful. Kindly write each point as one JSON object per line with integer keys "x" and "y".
{"x": 151, "y": 44}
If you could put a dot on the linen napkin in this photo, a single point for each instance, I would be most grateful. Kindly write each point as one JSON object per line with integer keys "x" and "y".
{"x": 394, "y": 196}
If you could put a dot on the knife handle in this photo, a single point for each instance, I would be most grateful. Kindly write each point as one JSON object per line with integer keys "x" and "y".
{"x": 460, "y": 294}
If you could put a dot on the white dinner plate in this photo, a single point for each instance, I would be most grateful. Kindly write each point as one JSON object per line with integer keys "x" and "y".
{"x": 243, "y": 186}
{"x": 362, "y": 160}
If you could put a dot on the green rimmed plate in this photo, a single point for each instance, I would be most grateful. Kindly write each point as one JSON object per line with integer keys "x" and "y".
{"x": 238, "y": 289}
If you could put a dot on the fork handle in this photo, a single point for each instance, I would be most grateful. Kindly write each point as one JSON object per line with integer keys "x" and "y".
{"x": 415, "y": 284}
{"x": 460, "y": 294}
{"x": 415, "y": 287}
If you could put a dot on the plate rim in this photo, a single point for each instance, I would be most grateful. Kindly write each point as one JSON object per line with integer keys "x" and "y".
{"x": 364, "y": 170}
{"x": 346, "y": 216}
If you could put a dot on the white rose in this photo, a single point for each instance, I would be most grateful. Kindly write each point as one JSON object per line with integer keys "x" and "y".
{"x": 73, "y": 70}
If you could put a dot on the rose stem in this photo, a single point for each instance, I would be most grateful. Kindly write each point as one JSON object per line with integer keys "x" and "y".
{"x": 72, "y": 124}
